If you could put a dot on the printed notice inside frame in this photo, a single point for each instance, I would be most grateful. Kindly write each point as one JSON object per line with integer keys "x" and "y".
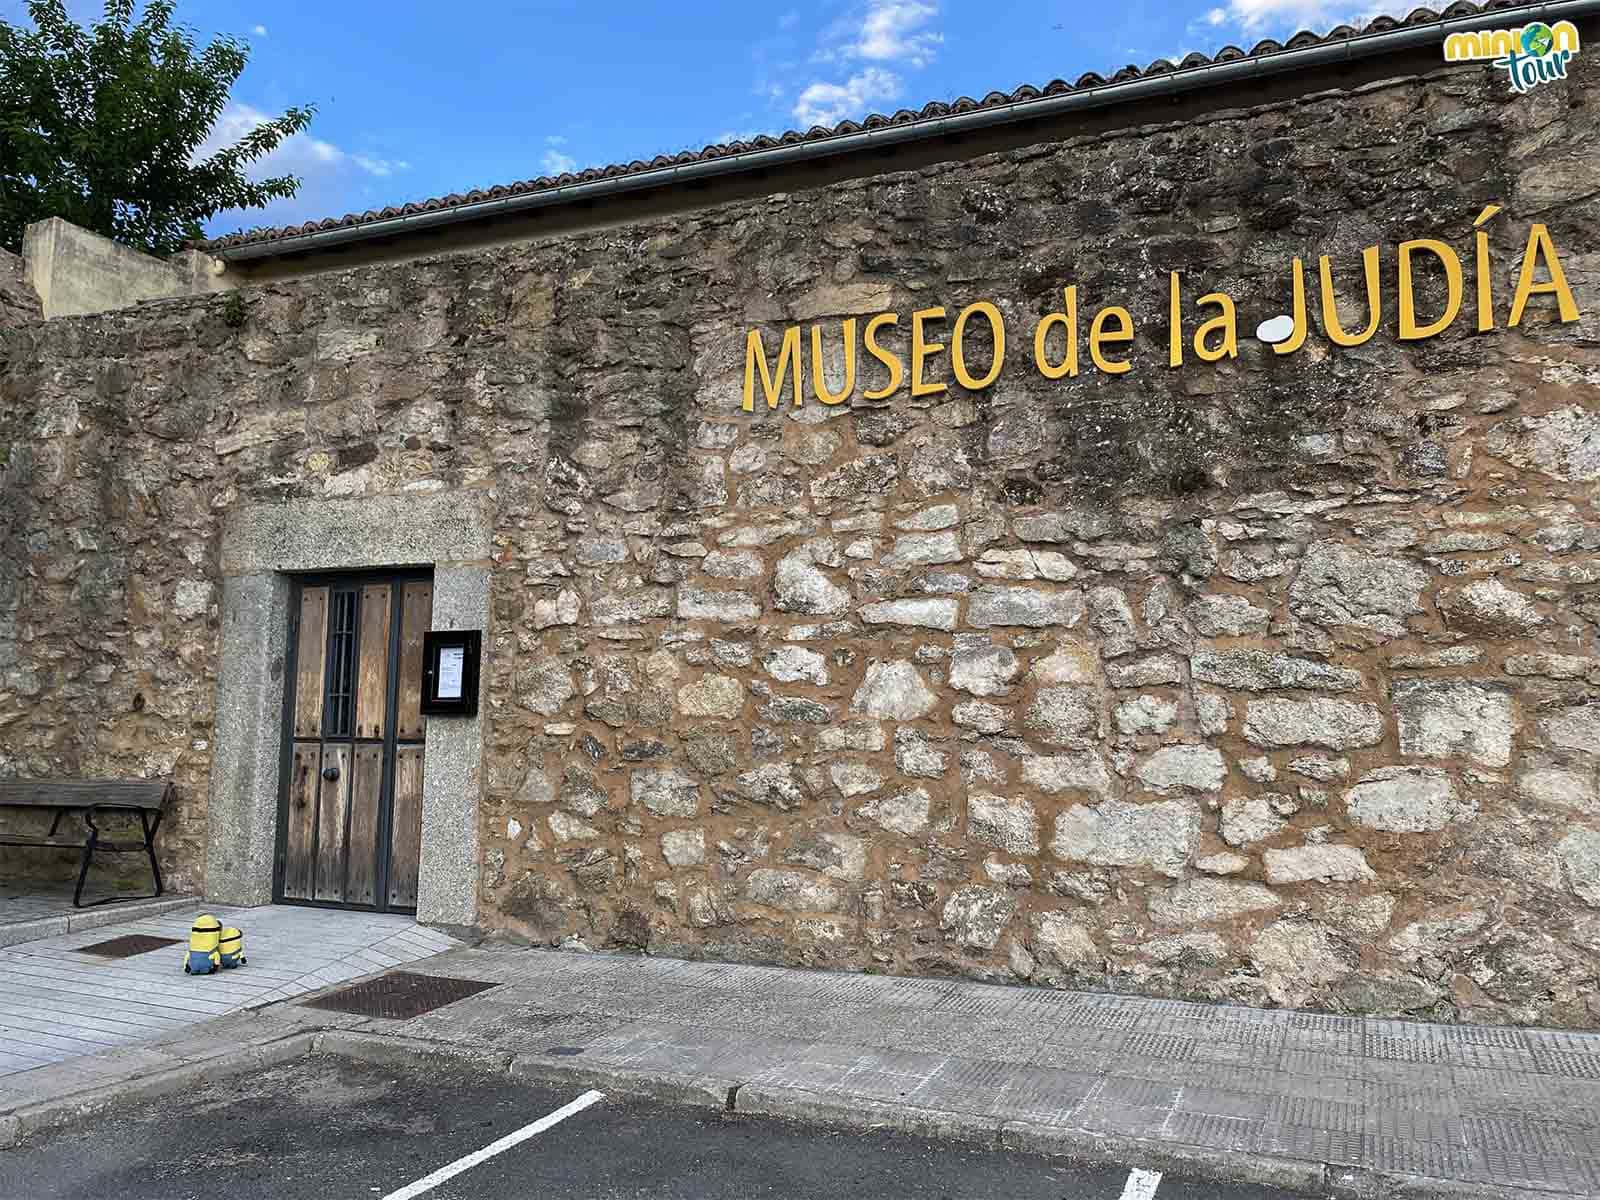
{"x": 450, "y": 661}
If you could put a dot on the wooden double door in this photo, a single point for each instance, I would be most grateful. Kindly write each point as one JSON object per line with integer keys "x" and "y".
{"x": 350, "y": 817}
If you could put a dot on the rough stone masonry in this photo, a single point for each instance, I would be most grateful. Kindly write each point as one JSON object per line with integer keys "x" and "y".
{"x": 1273, "y": 681}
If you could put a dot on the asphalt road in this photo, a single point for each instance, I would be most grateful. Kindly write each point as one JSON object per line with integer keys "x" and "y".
{"x": 325, "y": 1128}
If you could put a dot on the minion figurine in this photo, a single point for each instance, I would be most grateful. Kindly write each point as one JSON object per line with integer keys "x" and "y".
{"x": 230, "y": 947}
{"x": 203, "y": 957}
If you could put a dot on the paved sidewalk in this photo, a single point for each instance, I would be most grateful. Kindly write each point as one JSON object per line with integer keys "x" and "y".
{"x": 1298, "y": 1099}
{"x": 1341, "y": 1105}
{"x": 58, "y": 1003}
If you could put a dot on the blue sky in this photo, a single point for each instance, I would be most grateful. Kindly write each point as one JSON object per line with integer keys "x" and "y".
{"x": 422, "y": 99}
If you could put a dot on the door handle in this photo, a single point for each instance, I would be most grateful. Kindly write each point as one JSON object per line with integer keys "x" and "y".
{"x": 330, "y": 773}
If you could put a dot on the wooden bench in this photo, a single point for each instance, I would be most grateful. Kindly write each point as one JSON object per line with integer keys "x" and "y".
{"x": 145, "y": 799}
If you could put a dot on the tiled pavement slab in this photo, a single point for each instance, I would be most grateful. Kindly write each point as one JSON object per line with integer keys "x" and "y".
{"x": 1490, "y": 1108}
{"x": 58, "y": 1003}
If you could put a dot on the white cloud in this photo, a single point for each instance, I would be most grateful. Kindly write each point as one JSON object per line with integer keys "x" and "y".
{"x": 380, "y": 167}
{"x": 828, "y": 103}
{"x": 892, "y": 31}
{"x": 298, "y": 155}
{"x": 1289, "y": 16}
{"x": 332, "y": 180}
{"x": 881, "y": 34}
{"x": 556, "y": 163}
{"x": 259, "y": 30}
{"x": 555, "y": 139}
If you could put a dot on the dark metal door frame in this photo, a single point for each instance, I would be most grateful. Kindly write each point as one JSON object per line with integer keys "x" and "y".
{"x": 396, "y": 578}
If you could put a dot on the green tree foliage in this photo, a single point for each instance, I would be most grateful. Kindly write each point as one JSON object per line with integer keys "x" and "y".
{"x": 102, "y": 126}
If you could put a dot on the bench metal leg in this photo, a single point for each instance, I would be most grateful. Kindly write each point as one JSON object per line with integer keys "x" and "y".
{"x": 149, "y": 826}
{"x": 150, "y": 845}
{"x": 83, "y": 869}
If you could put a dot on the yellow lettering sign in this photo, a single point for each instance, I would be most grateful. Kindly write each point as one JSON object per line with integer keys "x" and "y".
{"x": 1330, "y": 303}
{"x": 1540, "y": 246}
{"x": 755, "y": 358}
{"x": 1410, "y": 331}
{"x": 1099, "y": 336}
{"x": 819, "y": 383}
{"x": 834, "y": 377}
{"x": 958, "y": 359}
{"x": 922, "y": 349}
{"x": 888, "y": 359}
{"x": 1068, "y": 320}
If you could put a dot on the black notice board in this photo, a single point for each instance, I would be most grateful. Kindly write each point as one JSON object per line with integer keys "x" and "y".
{"x": 450, "y": 661}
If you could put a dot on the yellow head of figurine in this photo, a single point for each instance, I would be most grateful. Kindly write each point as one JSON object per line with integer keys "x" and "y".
{"x": 205, "y": 935}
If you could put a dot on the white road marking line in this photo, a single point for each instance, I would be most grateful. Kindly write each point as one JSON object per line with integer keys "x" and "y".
{"x": 1141, "y": 1185}
{"x": 428, "y": 1182}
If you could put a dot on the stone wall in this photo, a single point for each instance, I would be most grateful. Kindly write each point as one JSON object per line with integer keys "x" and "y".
{"x": 1272, "y": 679}
{"x": 18, "y": 302}
{"x": 19, "y": 306}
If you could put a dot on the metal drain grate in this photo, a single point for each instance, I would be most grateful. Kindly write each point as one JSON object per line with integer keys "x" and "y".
{"x": 128, "y": 945}
{"x": 399, "y": 995}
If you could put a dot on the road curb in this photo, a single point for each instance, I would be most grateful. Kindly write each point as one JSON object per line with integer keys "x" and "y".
{"x": 61, "y": 1111}
{"x": 383, "y": 1051}
{"x": 1221, "y": 1166}
{"x": 802, "y": 1104}
{"x": 392, "y": 1051}
{"x": 1364, "y": 1183}
{"x": 851, "y": 1112}
{"x": 687, "y": 1090}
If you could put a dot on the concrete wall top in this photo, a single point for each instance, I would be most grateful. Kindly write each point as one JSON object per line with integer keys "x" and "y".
{"x": 76, "y": 272}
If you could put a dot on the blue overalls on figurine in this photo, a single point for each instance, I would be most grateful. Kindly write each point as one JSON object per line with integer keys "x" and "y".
{"x": 203, "y": 957}
{"x": 230, "y": 948}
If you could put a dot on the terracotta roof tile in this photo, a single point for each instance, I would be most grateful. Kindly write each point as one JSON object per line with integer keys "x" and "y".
{"x": 934, "y": 109}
